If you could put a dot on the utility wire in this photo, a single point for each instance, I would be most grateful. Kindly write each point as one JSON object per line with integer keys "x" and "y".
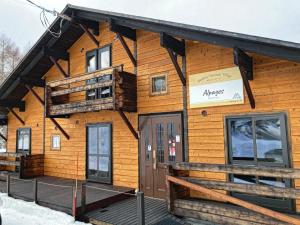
{"x": 44, "y": 19}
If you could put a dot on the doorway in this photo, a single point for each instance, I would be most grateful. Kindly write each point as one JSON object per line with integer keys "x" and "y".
{"x": 160, "y": 143}
{"x": 99, "y": 153}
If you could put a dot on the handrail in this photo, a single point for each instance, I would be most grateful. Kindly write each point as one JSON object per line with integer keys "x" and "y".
{"x": 233, "y": 200}
{"x": 84, "y": 76}
{"x": 290, "y": 173}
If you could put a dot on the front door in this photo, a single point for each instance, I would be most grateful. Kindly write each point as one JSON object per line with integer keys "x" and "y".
{"x": 161, "y": 142}
{"x": 99, "y": 153}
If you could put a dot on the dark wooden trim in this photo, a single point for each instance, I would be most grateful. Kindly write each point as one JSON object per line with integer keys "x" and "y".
{"x": 240, "y": 169}
{"x": 35, "y": 95}
{"x": 129, "y": 53}
{"x": 56, "y": 53}
{"x": 233, "y": 200}
{"x": 90, "y": 35}
{"x": 90, "y": 24}
{"x": 245, "y": 64}
{"x": 123, "y": 30}
{"x": 127, "y": 122}
{"x": 32, "y": 81}
{"x": 172, "y": 43}
{"x": 177, "y": 67}
{"x": 58, "y": 66}
{"x": 3, "y": 137}
{"x": 13, "y": 104}
{"x": 60, "y": 128}
{"x": 243, "y": 60}
{"x": 16, "y": 115}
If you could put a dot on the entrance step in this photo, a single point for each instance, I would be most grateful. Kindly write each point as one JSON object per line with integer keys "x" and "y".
{"x": 220, "y": 213}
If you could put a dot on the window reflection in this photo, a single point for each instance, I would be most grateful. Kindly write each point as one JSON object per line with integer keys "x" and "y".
{"x": 242, "y": 139}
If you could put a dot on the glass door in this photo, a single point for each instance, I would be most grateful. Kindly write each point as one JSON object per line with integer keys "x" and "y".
{"x": 260, "y": 140}
{"x": 99, "y": 153}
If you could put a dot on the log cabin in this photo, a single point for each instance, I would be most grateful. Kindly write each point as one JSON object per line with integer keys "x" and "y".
{"x": 177, "y": 111}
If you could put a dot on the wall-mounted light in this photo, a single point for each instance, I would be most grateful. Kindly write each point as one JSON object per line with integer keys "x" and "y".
{"x": 204, "y": 113}
{"x": 81, "y": 50}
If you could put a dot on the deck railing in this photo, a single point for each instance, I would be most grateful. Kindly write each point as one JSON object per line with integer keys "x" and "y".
{"x": 110, "y": 89}
{"x": 179, "y": 183}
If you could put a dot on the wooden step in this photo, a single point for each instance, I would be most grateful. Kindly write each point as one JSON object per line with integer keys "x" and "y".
{"x": 221, "y": 213}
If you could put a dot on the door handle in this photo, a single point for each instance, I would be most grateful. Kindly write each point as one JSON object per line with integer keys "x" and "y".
{"x": 154, "y": 159}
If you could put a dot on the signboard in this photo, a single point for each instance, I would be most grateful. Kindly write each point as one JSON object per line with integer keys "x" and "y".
{"x": 216, "y": 88}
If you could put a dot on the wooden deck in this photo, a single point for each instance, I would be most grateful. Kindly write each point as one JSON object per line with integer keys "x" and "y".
{"x": 125, "y": 212}
{"x": 57, "y": 193}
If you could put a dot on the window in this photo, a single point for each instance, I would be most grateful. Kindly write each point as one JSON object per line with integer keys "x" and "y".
{"x": 158, "y": 84}
{"x": 55, "y": 142}
{"x": 96, "y": 60}
{"x": 259, "y": 140}
{"x": 24, "y": 140}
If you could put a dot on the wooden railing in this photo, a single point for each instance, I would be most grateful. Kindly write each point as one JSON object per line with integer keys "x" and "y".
{"x": 178, "y": 181}
{"x": 122, "y": 89}
{"x": 29, "y": 166}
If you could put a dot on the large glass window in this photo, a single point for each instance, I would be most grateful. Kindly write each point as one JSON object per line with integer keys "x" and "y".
{"x": 23, "y": 140}
{"x": 96, "y": 60}
{"x": 259, "y": 140}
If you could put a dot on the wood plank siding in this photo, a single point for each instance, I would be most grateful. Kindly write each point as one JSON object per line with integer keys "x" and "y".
{"x": 276, "y": 88}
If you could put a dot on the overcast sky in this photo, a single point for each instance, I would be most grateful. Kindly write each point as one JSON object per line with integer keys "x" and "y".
{"x": 279, "y": 19}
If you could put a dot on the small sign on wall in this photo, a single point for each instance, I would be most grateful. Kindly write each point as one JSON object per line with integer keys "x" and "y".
{"x": 216, "y": 88}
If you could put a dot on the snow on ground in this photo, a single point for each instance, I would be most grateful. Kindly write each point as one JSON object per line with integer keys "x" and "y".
{"x": 15, "y": 212}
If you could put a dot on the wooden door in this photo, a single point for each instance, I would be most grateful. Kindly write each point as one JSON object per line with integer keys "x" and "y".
{"x": 99, "y": 153}
{"x": 160, "y": 143}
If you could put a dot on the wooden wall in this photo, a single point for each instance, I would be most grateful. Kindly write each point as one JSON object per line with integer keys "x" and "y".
{"x": 276, "y": 88}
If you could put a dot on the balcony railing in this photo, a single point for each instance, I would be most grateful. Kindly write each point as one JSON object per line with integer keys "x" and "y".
{"x": 109, "y": 89}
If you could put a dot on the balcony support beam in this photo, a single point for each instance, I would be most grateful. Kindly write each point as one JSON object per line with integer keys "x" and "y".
{"x": 127, "y": 122}
{"x": 174, "y": 47}
{"x": 126, "y": 48}
{"x": 58, "y": 66}
{"x": 245, "y": 64}
{"x": 16, "y": 115}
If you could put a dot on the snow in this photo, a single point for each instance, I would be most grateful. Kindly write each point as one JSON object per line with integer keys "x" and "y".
{"x": 14, "y": 211}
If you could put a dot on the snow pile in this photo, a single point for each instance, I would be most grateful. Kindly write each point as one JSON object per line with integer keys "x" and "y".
{"x": 14, "y": 212}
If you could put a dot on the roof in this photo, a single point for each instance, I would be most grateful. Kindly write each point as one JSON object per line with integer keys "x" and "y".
{"x": 35, "y": 64}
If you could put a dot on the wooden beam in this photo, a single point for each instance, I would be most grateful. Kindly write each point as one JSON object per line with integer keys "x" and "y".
{"x": 241, "y": 59}
{"x": 13, "y": 104}
{"x": 240, "y": 169}
{"x": 255, "y": 189}
{"x": 32, "y": 81}
{"x": 177, "y": 67}
{"x": 3, "y": 137}
{"x": 172, "y": 43}
{"x": 90, "y": 35}
{"x": 35, "y": 95}
{"x": 58, "y": 66}
{"x": 60, "y": 128}
{"x": 16, "y": 115}
{"x": 236, "y": 201}
{"x": 122, "y": 30}
{"x": 89, "y": 24}
{"x": 245, "y": 64}
{"x": 129, "y": 53}
{"x": 127, "y": 122}
{"x": 57, "y": 54}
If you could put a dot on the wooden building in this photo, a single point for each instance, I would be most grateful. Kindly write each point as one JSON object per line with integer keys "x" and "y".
{"x": 117, "y": 98}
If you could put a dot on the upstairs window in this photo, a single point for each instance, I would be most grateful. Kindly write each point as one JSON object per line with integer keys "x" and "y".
{"x": 96, "y": 60}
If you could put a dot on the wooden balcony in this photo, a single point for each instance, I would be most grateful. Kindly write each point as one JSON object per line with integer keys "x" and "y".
{"x": 109, "y": 89}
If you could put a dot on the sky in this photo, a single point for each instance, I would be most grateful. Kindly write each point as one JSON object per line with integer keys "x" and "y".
{"x": 278, "y": 19}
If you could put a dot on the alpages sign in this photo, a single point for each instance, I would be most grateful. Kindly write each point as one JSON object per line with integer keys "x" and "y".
{"x": 216, "y": 88}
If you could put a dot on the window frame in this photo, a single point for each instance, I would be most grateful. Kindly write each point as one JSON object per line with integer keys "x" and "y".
{"x": 151, "y": 78}
{"x": 97, "y": 54}
{"x": 17, "y": 139}
{"x": 51, "y": 139}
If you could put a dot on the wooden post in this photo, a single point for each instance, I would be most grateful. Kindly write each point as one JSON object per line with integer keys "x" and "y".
{"x": 140, "y": 208}
{"x": 170, "y": 189}
{"x": 8, "y": 184}
{"x": 35, "y": 191}
{"x": 83, "y": 198}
